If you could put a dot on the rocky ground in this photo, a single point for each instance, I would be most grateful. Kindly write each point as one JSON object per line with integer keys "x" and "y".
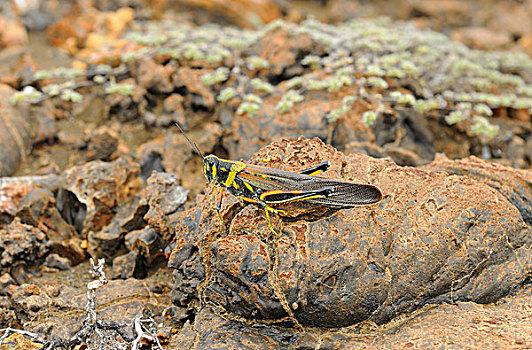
{"x": 431, "y": 104}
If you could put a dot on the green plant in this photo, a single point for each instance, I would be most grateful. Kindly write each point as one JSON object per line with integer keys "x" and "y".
{"x": 288, "y": 100}
{"x": 122, "y": 89}
{"x": 226, "y": 94}
{"x": 261, "y": 85}
{"x": 369, "y": 118}
{"x": 255, "y": 62}
{"x": 71, "y": 95}
{"x": 481, "y": 126}
{"x": 455, "y": 117}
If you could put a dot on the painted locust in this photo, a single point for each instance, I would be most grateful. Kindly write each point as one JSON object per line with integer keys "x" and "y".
{"x": 268, "y": 187}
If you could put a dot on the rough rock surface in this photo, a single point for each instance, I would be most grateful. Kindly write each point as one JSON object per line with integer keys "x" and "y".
{"x": 435, "y": 237}
{"x": 100, "y": 187}
{"x": 21, "y": 245}
{"x": 505, "y": 325}
{"x": 514, "y": 184}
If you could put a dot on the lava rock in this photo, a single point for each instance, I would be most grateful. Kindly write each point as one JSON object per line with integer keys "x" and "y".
{"x": 57, "y": 262}
{"x": 15, "y": 140}
{"x": 435, "y": 237}
{"x": 20, "y": 245}
{"x": 101, "y": 187}
{"x": 38, "y": 209}
{"x": 124, "y": 266}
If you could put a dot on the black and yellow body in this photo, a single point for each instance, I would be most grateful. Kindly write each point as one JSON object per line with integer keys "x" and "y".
{"x": 268, "y": 187}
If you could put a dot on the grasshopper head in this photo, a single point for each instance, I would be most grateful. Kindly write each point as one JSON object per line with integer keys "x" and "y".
{"x": 210, "y": 167}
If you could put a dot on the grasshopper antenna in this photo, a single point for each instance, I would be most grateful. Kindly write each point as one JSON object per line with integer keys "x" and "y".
{"x": 191, "y": 143}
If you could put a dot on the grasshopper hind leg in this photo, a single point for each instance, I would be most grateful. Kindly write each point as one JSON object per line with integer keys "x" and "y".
{"x": 267, "y": 208}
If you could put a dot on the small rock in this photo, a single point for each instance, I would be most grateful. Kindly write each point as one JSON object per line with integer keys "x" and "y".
{"x": 147, "y": 243}
{"x": 164, "y": 197}
{"x": 57, "y": 262}
{"x": 5, "y": 281}
{"x": 8, "y": 318}
{"x": 102, "y": 144}
{"x": 124, "y": 266}
{"x": 153, "y": 76}
{"x": 101, "y": 187}
{"x": 12, "y": 33}
{"x": 21, "y": 243}
{"x": 18, "y": 341}
{"x": 107, "y": 242}
{"x": 38, "y": 208}
{"x": 176, "y": 313}
{"x": 29, "y": 298}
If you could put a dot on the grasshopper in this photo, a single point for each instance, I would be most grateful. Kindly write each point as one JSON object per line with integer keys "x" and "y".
{"x": 268, "y": 187}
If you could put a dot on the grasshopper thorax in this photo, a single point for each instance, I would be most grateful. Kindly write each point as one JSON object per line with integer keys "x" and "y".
{"x": 210, "y": 167}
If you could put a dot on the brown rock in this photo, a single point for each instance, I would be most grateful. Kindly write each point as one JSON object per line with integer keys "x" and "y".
{"x": 12, "y": 33}
{"x": 142, "y": 225}
{"x": 16, "y": 67}
{"x": 127, "y": 108}
{"x": 281, "y": 50}
{"x": 191, "y": 80}
{"x": 124, "y": 266}
{"x": 17, "y": 341}
{"x": 178, "y": 158}
{"x": 502, "y": 325}
{"x": 102, "y": 144}
{"x": 106, "y": 242}
{"x": 57, "y": 262}
{"x": 525, "y": 43}
{"x": 152, "y": 76}
{"x": 38, "y": 208}
{"x": 147, "y": 243}
{"x": 513, "y": 184}
{"x": 454, "y": 11}
{"x": 482, "y": 38}
{"x": 15, "y": 141}
{"x": 5, "y": 281}
{"x": 247, "y": 134}
{"x": 31, "y": 299}
{"x": 434, "y": 238}
{"x": 118, "y": 301}
{"x": 101, "y": 187}
{"x": 173, "y": 112}
{"x": 164, "y": 197}
{"x": 8, "y": 318}
{"x": 12, "y": 189}
{"x": 21, "y": 244}
{"x": 511, "y": 17}
{"x": 240, "y": 12}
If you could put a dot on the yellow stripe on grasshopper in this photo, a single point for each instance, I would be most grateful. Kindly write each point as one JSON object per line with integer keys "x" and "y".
{"x": 248, "y": 186}
{"x": 236, "y": 167}
{"x": 303, "y": 198}
{"x": 277, "y": 192}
